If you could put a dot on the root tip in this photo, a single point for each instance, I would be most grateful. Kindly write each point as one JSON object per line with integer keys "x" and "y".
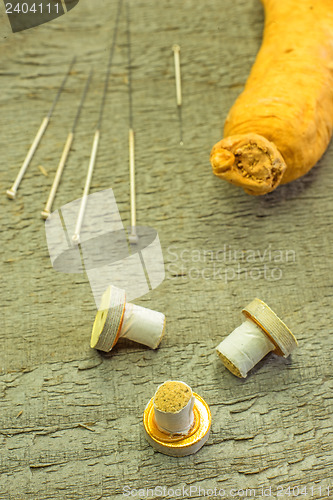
{"x": 249, "y": 161}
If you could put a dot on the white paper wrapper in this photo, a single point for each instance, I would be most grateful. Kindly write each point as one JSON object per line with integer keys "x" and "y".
{"x": 245, "y": 346}
{"x": 179, "y": 422}
{"x": 143, "y": 325}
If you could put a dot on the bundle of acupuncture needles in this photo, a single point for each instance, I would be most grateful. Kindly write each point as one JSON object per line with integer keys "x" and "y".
{"x": 11, "y": 193}
{"x": 65, "y": 153}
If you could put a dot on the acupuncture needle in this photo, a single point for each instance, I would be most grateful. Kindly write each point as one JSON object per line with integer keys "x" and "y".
{"x": 179, "y": 100}
{"x": 11, "y": 193}
{"x": 133, "y": 237}
{"x": 94, "y": 150}
{"x": 65, "y": 153}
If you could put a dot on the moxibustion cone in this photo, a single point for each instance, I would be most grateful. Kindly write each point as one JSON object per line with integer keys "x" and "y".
{"x": 176, "y": 420}
{"x": 261, "y": 333}
{"x": 173, "y": 407}
{"x": 116, "y": 319}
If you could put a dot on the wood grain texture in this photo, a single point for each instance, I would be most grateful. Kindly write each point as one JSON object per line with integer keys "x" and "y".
{"x": 70, "y": 421}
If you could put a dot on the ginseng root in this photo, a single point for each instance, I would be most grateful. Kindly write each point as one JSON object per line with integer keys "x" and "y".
{"x": 281, "y": 124}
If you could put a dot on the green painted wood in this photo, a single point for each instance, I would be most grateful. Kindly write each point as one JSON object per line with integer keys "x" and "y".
{"x": 70, "y": 418}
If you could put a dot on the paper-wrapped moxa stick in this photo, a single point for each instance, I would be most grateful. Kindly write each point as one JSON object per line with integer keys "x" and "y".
{"x": 118, "y": 319}
{"x": 261, "y": 333}
{"x": 176, "y": 420}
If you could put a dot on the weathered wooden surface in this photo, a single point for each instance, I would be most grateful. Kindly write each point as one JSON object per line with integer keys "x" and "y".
{"x": 71, "y": 418}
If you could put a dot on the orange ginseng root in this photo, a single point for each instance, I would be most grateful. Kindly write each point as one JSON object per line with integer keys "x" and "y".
{"x": 281, "y": 124}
